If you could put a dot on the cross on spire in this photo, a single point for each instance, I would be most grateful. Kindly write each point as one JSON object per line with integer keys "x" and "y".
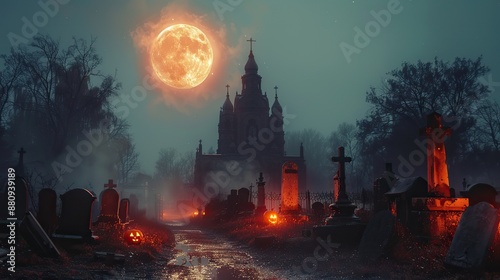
{"x": 251, "y": 40}
{"x": 110, "y": 184}
{"x": 227, "y": 90}
{"x": 276, "y": 91}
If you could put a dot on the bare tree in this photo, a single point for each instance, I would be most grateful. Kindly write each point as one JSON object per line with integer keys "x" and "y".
{"x": 127, "y": 161}
{"x": 409, "y": 94}
{"x": 488, "y": 126}
{"x": 63, "y": 92}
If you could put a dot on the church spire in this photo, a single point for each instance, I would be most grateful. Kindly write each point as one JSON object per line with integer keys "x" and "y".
{"x": 251, "y": 66}
{"x": 228, "y": 106}
{"x": 276, "y": 109}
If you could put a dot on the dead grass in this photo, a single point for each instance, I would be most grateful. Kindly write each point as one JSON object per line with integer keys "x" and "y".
{"x": 77, "y": 260}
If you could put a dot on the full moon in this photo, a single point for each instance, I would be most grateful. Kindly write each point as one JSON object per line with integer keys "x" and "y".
{"x": 181, "y": 56}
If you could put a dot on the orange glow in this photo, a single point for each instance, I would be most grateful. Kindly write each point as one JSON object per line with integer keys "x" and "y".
{"x": 182, "y": 56}
{"x": 289, "y": 186}
{"x": 271, "y": 217}
{"x": 133, "y": 236}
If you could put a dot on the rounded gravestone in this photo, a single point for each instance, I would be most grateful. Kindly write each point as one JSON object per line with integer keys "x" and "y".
{"x": 377, "y": 237}
{"x": 481, "y": 192}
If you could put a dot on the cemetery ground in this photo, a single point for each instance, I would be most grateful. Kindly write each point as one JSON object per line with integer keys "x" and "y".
{"x": 83, "y": 260}
{"x": 291, "y": 255}
{"x": 240, "y": 248}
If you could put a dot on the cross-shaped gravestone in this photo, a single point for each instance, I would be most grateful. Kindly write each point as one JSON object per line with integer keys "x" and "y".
{"x": 109, "y": 200}
{"x": 437, "y": 170}
{"x": 110, "y": 184}
{"x": 341, "y": 159}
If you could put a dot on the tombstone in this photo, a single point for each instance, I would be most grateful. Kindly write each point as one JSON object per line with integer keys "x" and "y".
{"x": 261, "y": 196}
{"x": 47, "y": 210}
{"x": 37, "y": 238}
{"x": 243, "y": 195}
{"x": 232, "y": 203}
{"x": 401, "y": 194}
{"x": 377, "y": 237}
{"x": 381, "y": 186}
{"x": 110, "y": 200}
{"x": 481, "y": 192}
{"x": 244, "y": 203}
{"x": 473, "y": 237}
{"x": 124, "y": 210}
{"x": 290, "y": 188}
{"x": 76, "y": 212}
{"x": 437, "y": 169}
{"x": 318, "y": 209}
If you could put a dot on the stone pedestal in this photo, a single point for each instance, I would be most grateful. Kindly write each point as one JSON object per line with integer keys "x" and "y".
{"x": 436, "y": 217}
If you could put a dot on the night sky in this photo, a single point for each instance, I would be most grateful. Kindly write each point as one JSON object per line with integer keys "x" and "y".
{"x": 298, "y": 48}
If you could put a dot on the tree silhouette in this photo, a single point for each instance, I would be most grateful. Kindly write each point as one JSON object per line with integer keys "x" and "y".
{"x": 61, "y": 90}
{"x": 409, "y": 94}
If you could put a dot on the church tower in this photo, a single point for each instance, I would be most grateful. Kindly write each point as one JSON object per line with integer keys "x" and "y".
{"x": 250, "y": 134}
{"x": 226, "y": 143}
{"x": 251, "y": 106}
{"x": 276, "y": 125}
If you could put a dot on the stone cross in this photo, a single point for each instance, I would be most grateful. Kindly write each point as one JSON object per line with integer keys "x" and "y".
{"x": 110, "y": 184}
{"x": 437, "y": 170}
{"x": 341, "y": 159}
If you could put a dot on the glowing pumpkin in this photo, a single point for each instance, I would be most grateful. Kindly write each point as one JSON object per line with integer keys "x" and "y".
{"x": 271, "y": 217}
{"x": 133, "y": 236}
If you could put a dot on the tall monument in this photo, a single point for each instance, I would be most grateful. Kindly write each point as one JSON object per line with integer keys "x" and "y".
{"x": 437, "y": 169}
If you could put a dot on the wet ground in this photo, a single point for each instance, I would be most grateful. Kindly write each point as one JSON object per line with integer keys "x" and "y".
{"x": 202, "y": 254}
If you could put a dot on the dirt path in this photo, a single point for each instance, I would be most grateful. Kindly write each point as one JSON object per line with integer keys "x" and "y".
{"x": 201, "y": 254}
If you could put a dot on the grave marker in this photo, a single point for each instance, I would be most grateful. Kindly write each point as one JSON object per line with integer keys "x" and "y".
{"x": 47, "y": 210}
{"x": 377, "y": 237}
{"x": 75, "y": 215}
{"x": 124, "y": 210}
{"x": 110, "y": 200}
{"x": 290, "y": 187}
{"x": 474, "y": 235}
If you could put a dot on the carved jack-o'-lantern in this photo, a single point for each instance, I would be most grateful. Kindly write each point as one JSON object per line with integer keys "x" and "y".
{"x": 271, "y": 217}
{"x": 133, "y": 236}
